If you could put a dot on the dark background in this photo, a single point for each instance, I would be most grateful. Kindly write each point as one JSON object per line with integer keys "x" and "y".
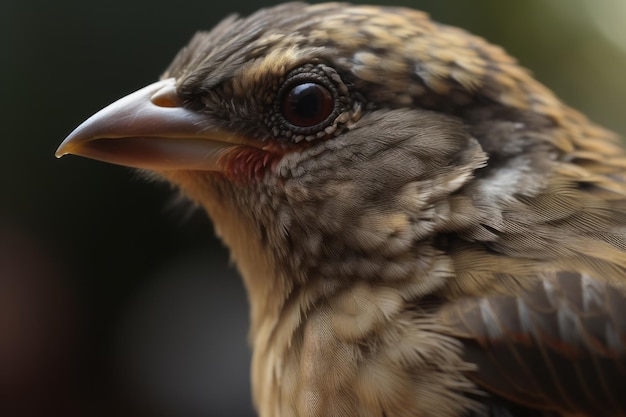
{"x": 113, "y": 300}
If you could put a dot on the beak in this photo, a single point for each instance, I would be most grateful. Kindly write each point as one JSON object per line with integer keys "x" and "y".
{"x": 151, "y": 129}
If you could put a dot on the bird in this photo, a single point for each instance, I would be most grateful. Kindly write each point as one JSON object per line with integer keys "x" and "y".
{"x": 423, "y": 229}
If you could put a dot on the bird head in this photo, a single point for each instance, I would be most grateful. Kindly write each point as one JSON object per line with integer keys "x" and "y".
{"x": 331, "y": 143}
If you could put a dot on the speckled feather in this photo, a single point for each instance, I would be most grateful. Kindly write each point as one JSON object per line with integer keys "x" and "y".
{"x": 388, "y": 258}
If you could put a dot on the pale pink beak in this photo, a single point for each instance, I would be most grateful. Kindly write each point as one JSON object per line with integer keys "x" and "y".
{"x": 151, "y": 129}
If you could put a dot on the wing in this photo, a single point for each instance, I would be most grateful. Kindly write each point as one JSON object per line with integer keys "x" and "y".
{"x": 559, "y": 346}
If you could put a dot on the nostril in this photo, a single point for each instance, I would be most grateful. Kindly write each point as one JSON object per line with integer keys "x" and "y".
{"x": 167, "y": 97}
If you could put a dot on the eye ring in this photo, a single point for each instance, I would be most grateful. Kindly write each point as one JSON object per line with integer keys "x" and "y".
{"x": 306, "y": 104}
{"x": 309, "y": 103}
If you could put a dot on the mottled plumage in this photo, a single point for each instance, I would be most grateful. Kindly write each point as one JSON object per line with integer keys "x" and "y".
{"x": 422, "y": 228}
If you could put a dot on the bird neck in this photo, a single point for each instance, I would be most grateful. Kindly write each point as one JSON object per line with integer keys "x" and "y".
{"x": 266, "y": 285}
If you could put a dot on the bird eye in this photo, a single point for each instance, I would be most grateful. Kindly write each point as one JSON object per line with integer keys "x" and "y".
{"x": 307, "y": 104}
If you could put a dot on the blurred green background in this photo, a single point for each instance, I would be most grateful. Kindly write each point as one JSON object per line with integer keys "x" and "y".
{"x": 114, "y": 300}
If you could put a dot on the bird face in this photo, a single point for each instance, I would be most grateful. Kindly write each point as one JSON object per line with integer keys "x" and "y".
{"x": 304, "y": 130}
{"x": 400, "y": 197}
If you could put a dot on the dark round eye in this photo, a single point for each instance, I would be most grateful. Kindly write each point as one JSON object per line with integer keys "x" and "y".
{"x": 307, "y": 104}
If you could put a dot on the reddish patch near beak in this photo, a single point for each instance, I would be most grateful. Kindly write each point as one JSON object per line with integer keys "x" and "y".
{"x": 245, "y": 163}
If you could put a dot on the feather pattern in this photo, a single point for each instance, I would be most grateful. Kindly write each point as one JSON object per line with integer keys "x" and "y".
{"x": 449, "y": 240}
{"x": 561, "y": 345}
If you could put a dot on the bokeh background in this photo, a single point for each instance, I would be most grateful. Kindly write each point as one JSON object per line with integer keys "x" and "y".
{"x": 113, "y": 299}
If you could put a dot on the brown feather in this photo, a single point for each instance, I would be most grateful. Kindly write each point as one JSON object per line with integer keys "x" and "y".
{"x": 449, "y": 241}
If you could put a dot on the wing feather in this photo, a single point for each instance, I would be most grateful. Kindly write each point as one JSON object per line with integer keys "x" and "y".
{"x": 560, "y": 345}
